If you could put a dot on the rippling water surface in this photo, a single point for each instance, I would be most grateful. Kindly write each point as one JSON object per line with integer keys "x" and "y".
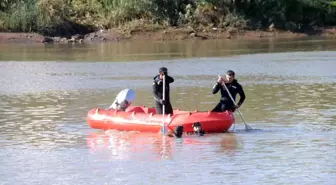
{"x": 44, "y": 98}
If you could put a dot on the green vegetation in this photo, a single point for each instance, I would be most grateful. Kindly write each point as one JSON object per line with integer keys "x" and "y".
{"x": 66, "y": 17}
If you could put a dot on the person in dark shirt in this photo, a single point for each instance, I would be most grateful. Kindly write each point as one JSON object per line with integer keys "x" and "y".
{"x": 234, "y": 88}
{"x": 158, "y": 91}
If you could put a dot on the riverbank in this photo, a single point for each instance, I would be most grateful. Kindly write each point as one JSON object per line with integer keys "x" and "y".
{"x": 160, "y": 34}
{"x": 77, "y": 21}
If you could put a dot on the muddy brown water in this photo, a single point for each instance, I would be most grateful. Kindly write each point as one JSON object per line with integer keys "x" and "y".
{"x": 46, "y": 91}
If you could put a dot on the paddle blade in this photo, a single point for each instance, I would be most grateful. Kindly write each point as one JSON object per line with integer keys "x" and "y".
{"x": 248, "y": 127}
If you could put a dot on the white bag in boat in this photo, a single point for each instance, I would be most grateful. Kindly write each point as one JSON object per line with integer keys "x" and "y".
{"x": 123, "y": 100}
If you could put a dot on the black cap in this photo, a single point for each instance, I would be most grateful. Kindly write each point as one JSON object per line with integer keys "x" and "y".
{"x": 230, "y": 73}
{"x": 163, "y": 70}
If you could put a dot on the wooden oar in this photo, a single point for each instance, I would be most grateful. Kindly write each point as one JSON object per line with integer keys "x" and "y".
{"x": 247, "y": 127}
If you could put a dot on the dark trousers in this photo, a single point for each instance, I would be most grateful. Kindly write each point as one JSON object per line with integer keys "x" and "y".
{"x": 168, "y": 108}
{"x": 223, "y": 106}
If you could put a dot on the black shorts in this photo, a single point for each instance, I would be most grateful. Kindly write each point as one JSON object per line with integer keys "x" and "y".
{"x": 223, "y": 106}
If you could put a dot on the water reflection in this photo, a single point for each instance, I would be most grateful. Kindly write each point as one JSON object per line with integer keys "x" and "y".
{"x": 116, "y": 145}
{"x": 40, "y": 120}
{"x": 143, "y": 50}
{"x": 310, "y": 105}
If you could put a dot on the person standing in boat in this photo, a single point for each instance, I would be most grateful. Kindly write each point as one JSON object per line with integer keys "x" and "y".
{"x": 158, "y": 91}
{"x": 234, "y": 88}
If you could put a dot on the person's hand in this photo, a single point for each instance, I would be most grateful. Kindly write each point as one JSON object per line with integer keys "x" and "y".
{"x": 220, "y": 80}
{"x": 159, "y": 82}
{"x": 236, "y": 107}
{"x": 161, "y": 76}
{"x": 163, "y": 102}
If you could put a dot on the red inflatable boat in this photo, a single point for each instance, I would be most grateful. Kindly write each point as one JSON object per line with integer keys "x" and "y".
{"x": 143, "y": 119}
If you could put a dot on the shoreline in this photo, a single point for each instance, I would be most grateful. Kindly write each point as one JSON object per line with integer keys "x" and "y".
{"x": 159, "y": 34}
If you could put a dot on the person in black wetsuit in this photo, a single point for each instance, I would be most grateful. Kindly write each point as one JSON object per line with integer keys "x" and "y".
{"x": 158, "y": 91}
{"x": 234, "y": 88}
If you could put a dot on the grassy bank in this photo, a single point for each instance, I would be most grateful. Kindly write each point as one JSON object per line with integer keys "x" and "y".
{"x": 69, "y": 17}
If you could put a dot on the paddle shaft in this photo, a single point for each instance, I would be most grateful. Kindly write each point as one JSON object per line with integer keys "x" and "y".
{"x": 163, "y": 98}
{"x": 234, "y": 104}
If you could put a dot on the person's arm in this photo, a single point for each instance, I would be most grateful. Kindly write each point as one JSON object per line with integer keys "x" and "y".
{"x": 155, "y": 91}
{"x": 170, "y": 79}
{"x": 218, "y": 85}
{"x": 216, "y": 88}
{"x": 242, "y": 96}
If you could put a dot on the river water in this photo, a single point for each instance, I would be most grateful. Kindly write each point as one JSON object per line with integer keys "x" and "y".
{"x": 46, "y": 91}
